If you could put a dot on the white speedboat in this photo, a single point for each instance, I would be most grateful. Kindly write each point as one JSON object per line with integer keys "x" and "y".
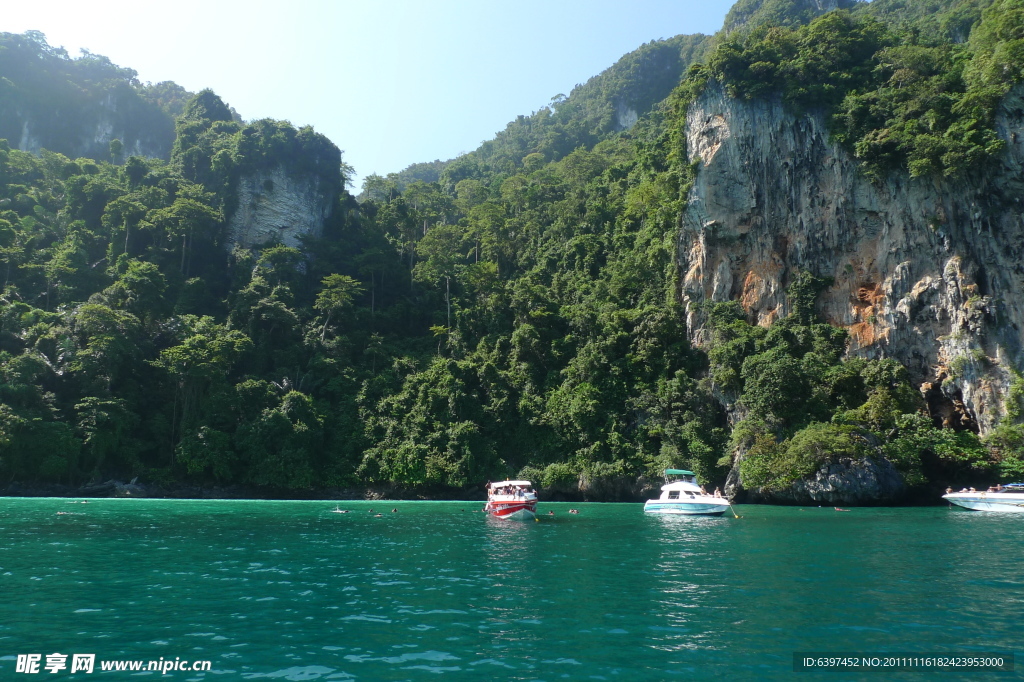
{"x": 1002, "y": 498}
{"x": 511, "y": 500}
{"x": 685, "y": 496}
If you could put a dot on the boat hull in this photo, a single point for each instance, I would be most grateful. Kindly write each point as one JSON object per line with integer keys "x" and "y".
{"x": 516, "y": 511}
{"x": 694, "y": 507}
{"x": 995, "y": 502}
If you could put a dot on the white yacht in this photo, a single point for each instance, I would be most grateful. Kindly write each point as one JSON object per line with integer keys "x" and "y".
{"x": 1001, "y": 498}
{"x": 685, "y": 496}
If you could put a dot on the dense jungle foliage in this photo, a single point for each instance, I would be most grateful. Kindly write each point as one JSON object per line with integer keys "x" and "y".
{"x": 904, "y": 95}
{"x": 513, "y": 311}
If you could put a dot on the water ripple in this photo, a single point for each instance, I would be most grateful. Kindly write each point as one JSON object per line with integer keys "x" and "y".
{"x": 285, "y": 590}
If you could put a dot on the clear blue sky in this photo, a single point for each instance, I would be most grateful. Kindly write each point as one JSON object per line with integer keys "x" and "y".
{"x": 390, "y": 82}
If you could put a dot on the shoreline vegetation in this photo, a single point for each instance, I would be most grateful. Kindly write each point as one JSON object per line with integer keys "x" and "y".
{"x": 114, "y": 489}
{"x": 516, "y": 312}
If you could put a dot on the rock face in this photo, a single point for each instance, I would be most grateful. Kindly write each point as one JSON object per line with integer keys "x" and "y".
{"x": 925, "y": 271}
{"x": 113, "y": 488}
{"x": 94, "y": 142}
{"x": 274, "y": 205}
{"x": 625, "y": 116}
{"x": 846, "y": 481}
{"x": 86, "y": 129}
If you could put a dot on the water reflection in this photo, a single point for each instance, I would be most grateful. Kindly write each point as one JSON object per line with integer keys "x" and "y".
{"x": 514, "y": 607}
{"x": 684, "y": 599}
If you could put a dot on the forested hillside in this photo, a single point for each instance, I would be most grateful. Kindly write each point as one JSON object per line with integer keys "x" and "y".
{"x": 517, "y": 313}
{"x": 77, "y": 107}
{"x": 608, "y": 103}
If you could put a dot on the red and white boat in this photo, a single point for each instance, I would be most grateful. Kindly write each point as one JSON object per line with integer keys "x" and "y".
{"x": 512, "y": 500}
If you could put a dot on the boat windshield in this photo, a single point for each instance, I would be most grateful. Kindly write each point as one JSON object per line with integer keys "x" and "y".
{"x": 511, "y": 490}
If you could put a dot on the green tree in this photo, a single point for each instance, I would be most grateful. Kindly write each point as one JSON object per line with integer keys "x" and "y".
{"x": 336, "y": 295}
{"x": 201, "y": 361}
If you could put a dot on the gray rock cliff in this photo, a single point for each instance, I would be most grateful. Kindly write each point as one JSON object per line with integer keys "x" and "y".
{"x": 926, "y": 271}
{"x": 86, "y": 129}
{"x": 871, "y": 480}
{"x": 274, "y": 205}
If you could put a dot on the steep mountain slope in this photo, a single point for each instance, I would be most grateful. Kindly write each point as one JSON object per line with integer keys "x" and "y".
{"x": 942, "y": 20}
{"x": 747, "y": 15}
{"x": 915, "y": 248}
{"x": 921, "y": 271}
{"x": 77, "y": 107}
{"x": 606, "y": 104}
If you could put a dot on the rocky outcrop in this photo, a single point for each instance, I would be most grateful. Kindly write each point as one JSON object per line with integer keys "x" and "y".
{"x": 113, "y": 488}
{"x": 925, "y": 271}
{"x": 86, "y": 127}
{"x": 625, "y": 116}
{"x": 277, "y": 206}
{"x": 871, "y": 480}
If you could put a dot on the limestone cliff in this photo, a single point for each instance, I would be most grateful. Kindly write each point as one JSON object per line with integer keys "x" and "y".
{"x": 276, "y": 205}
{"x": 86, "y": 128}
{"x": 867, "y": 481}
{"x": 925, "y": 271}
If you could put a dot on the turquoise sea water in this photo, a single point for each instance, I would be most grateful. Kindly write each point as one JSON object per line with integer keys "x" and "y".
{"x": 291, "y": 591}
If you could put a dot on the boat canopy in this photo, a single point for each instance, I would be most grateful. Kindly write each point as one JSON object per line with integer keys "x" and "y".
{"x": 678, "y": 472}
{"x": 505, "y": 484}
